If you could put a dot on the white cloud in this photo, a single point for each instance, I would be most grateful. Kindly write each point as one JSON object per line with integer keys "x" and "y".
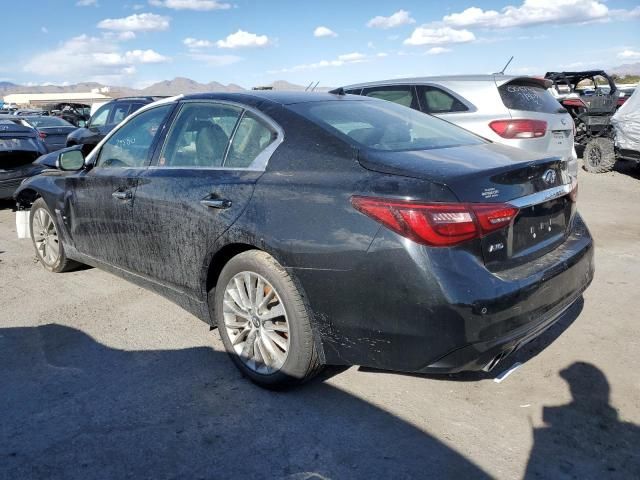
{"x": 195, "y": 44}
{"x": 629, "y": 54}
{"x": 216, "y": 60}
{"x": 144, "y": 56}
{"x": 322, "y": 31}
{"x": 97, "y": 58}
{"x": 531, "y": 12}
{"x": 401, "y": 17}
{"x": 345, "y": 59}
{"x": 200, "y": 5}
{"x": 437, "y": 50}
{"x": 138, "y": 22}
{"x": 434, "y": 35}
{"x": 242, "y": 39}
{"x": 87, "y": 3}
{"x": 44, "y": 29}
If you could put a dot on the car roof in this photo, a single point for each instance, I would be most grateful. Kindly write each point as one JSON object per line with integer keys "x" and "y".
{"x": 496, "y": 78}
{"x": 279, "y": 97}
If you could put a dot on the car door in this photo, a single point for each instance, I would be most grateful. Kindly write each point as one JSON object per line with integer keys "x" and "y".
{"x": 99, "y": 204}
{"x": 200, "y": 182}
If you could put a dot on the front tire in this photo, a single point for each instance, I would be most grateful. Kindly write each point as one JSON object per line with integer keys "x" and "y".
{"x": 599, "y": 155}
{"x": 264, "y": 322}
{"x": 44, "y": 235}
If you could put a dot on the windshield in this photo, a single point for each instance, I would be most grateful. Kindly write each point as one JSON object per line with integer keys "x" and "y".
{"x": 382, "y": 125}
{"x": 47, "y": 122}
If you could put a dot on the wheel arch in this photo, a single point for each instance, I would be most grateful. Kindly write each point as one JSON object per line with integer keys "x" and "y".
{"x": 217, "y": 263}
{"x": 25, "y": 197}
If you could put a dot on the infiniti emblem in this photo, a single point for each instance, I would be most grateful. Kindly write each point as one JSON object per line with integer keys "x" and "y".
{"x": 549, "y": 176}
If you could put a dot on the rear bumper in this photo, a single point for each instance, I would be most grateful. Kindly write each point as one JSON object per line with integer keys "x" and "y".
{"x": 412, "y": 308}
{"x": 9, "y": 186}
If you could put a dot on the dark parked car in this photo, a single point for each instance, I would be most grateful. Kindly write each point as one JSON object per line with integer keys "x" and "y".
{"x": 77, "y": 114}
{"x": 19, "y": 147}
{"x": 53, "y": 130}
{"x": 322, "y": 229}
{"x": 104, "y": 120}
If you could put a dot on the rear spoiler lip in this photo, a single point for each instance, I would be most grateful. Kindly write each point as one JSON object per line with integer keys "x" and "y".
{"x": 543, "y": 82}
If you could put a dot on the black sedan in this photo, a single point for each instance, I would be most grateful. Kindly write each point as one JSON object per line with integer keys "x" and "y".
{"x": 53, "y": 130}
{"x": 321, "y": 229}
{"x": 19, "y": 147}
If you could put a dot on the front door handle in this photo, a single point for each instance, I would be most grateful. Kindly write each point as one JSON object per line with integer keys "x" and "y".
{"x": 216, "y": 203}
{"x": 122, "y": 195}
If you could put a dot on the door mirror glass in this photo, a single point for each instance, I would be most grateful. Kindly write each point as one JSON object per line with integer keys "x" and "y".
{"x": 71, "y": 160}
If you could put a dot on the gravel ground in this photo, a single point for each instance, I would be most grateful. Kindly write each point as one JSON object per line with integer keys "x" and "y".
{"x": 101, "y": 379}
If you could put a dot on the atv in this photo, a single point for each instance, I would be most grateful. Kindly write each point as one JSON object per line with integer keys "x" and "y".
{"x": 591, "y": 108}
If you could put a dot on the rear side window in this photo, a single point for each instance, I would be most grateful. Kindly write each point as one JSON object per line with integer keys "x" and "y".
{"x": 529, "y": 98}
{"x": 251, "y": 138}
{"x": 401, "y": 94}
{"x": 436, "y": 100}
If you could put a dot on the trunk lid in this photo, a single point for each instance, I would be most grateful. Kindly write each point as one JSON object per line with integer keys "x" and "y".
{"x": 493, "y": 173}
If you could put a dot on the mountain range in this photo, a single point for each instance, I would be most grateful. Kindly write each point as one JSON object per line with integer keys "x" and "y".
{"x": 166, "y": 87}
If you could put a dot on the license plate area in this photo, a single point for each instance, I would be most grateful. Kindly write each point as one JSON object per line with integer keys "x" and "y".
{"x": 538, "y": 223}
{"x": 536, "y": 230}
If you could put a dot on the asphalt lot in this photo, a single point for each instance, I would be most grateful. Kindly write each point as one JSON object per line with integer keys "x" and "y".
{"x": 101, "y": 379}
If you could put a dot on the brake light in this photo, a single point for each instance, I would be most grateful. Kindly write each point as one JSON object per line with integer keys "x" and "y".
{"x": 437, "y": 224}
{"x": 519, "y": 128}
{"x": 573, "y": 102}
{"x": 42, "y": 135}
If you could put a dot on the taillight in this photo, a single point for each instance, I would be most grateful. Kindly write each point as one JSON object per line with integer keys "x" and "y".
{"x": 573, "y": 194}
{"x": 519, "y": 128}
{"x": 437, "y": 224}
{"x": 42, "y": 135}
{"x": 574, "y": 102}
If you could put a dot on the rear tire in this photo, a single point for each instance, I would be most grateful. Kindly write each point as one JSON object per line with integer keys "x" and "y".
{"x": 599, "y": 155}
{"x": 272, "y": 343}
{"x": 47, "y": 244}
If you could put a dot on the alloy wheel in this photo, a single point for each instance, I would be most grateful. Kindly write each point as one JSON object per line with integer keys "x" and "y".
{"x": 256, "y": 322}
{"x": 595, "y": 156}
{"x": 45, "y": 237}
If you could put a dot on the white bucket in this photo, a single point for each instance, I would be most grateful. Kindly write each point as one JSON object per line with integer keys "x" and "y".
{"x": 22, "y": 224}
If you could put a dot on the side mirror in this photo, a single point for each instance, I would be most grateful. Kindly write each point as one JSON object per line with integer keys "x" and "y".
{"x": 71, "y": 160}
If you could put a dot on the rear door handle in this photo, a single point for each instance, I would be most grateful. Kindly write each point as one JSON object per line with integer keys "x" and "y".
{"x": 216, "y": 203}
{"x": 122, "y": 195}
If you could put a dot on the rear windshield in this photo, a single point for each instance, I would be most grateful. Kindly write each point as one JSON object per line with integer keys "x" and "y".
{"x": 529, "y": 98}
{"x": 382, "y": 125}
{"x": 48, "y": 122}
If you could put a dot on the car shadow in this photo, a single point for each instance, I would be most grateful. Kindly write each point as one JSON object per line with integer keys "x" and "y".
{"x": 629, "y": 168}
{"x": 73, "y": 408}
{"x": 523, "y": 355}
{"x": 9, "y": 204}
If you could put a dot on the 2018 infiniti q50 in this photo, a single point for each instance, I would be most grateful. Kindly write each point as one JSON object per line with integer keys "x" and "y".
{"x": 321, "y": 229}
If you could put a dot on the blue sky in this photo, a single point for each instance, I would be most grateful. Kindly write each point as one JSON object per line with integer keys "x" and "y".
{"x": 334, "y": 42}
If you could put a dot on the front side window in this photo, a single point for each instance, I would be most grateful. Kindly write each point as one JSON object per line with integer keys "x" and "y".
{"x": 435, "y": 100}
{"x": 252, "y": 136}
{"x": 385, "y": 125}
{"x": 99, "y": 119}
{"x": 199, "y": 136}
{"x": 401, "y": 94}
{"x": 120, "y": 112}
{"x": 130, "y": 145}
